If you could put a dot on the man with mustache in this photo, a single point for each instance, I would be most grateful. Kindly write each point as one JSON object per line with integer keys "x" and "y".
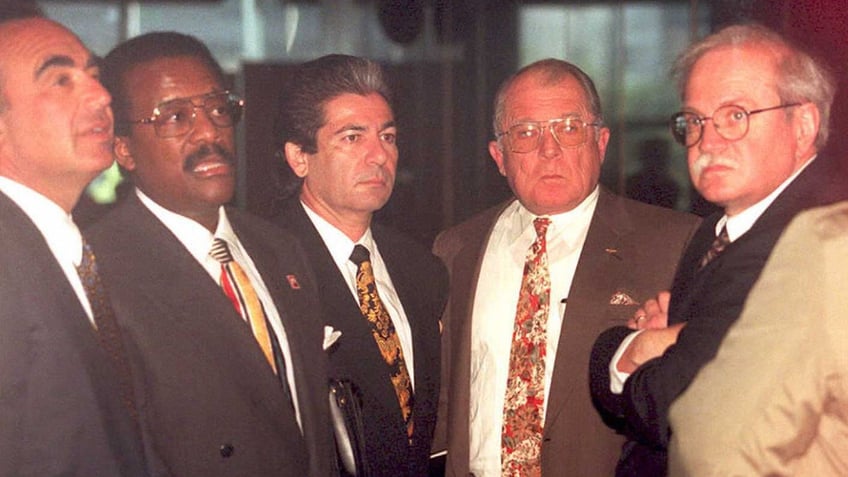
{"x": 755, "y": 115}
{"x": 219, "y": 306}
{"x": 338, "y": 135}
{"x": 65, "y": 407}
{"x": 605, "y": 254}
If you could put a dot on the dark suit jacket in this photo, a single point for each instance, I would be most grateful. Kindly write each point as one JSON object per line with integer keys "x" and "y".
{"x": 60, "y": 407}
{"x": 709, "y": 301}
{"x": 208, "y": 399}
{"x": 630, "y": 247}
{"x": 421, "y": 284}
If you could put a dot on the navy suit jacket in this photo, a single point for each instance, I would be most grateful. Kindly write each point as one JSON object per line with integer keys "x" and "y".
{"x": 61, "y": 411}
{"x": 420, "y": 281}
{"x": 708, "y": 301}
{"x": 209, "y": 402}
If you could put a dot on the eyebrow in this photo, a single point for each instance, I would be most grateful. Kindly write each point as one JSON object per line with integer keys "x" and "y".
{"x": 57, "y": 61}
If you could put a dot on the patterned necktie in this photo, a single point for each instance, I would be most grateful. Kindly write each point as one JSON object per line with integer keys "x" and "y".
{"x": 718, "y": 246}
{"x": 238, "y": 289}
{"x": 521, "y": 439}
{"x": 107, "y": 328}
{"x": 383, "y": 331}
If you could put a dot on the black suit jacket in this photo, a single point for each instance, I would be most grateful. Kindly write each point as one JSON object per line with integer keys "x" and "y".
{"x": 709, "y": 301}
{"x": 421, "y": 284}
{"x": 209, "y": 402}
{"x": 60, "y": 407}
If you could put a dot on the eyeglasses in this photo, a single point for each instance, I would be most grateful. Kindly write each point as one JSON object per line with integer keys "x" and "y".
{"x": 526, "y": 136}
{"x": 176, "y": 117}
{"x": 730, "y": 121}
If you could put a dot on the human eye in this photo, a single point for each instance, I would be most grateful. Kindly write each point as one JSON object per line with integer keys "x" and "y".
{"x": 524, "y": 131}
{"x": 172, "y": 113}
{"x": 569, "y": 126}
{"x": 350, "y": 137}
{"x": 389, "y": 137}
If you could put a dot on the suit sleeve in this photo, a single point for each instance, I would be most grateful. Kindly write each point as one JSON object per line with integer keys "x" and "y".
{"x": 778, "y": 373}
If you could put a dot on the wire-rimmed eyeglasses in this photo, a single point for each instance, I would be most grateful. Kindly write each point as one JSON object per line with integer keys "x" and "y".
{"x": 176, "y": 117}
{"x": 527, "y": 135}
{"x": 730, "y": 121}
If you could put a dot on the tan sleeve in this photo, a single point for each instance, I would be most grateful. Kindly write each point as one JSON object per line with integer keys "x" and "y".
{"x": 774, "y": 401}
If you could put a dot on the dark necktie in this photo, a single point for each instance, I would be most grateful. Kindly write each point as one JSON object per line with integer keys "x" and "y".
{"x": 383, "y": 331}
{"x": 521, "y": 437}
{"x": 719, "y": 244}
{"x": 107, "y": 328}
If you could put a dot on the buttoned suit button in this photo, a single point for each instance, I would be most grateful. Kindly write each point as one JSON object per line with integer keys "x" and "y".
{"x": 227, "y": 450}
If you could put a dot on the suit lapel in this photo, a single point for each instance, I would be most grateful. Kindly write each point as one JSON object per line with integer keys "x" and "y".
{"x": 356, "y": 350}
{"x": 600, "y": 270}
{"x": 196, "y": 303}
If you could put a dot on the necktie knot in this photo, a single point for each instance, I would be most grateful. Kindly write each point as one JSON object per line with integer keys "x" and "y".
{"x": 221, "y": 251}
{"x": 360, "y": 255}
{"x": 541, "y": 224}
{"x": 719, "y": 244}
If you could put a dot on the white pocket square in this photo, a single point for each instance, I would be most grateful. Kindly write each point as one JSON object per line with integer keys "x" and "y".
{"x": 621, "y": 298}
{"x": 330, "y": 337}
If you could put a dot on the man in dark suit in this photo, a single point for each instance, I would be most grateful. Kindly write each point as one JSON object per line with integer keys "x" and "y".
{"x": 755, "y": 114}
{"x": 231, "y": 375}
{"x": 337, "y": 132}
{"x": 62, "y": 410}
{"x": 605, "y": 255}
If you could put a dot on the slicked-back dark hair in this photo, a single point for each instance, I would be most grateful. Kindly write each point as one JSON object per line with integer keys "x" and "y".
{"x": 143, "y": 49}
{"x": 300, "y": 110}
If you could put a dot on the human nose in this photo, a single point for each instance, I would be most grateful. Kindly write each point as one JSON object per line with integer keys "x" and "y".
{"x": 710, "y": 137}
{"x": 96, "y": 94}
{"x": 548, "y": 143}
{"x": 379, "y": 152}
{"x": 202, "y": 127}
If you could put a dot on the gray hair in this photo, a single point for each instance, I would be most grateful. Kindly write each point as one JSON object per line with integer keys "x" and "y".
{"x": 550, "y": 72}
{"x": 801, "y": 79}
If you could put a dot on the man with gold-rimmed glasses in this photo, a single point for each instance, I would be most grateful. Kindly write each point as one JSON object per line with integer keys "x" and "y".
{"x": 604, "y": 254}
{"x": 219, "y": 307}
{"x": 755, "y": 114}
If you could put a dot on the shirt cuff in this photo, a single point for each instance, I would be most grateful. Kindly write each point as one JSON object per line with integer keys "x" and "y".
{"x": 617, "y": 378}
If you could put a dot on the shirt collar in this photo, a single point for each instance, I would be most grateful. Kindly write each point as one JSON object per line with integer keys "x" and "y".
{"x": 574, "y": 220}
{"x": 338, "y": 244}
{"x": 740, "y": 223}
{"x": 195, "y": 237}
{"x": 57, "y": 226}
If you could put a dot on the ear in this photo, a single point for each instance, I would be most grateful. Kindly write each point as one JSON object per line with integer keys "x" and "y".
{"x": 297, "y": 159}
{"x": 121, "y": 151}
{"x": 497, "y": 154}
{"x": 807, "y": 122}
{"x": 603, "y": 140}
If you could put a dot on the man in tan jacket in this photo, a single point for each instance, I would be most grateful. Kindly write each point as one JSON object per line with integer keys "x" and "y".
{"x": 774, "y": 401}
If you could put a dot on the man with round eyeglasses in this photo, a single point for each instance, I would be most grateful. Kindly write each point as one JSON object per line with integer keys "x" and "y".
{"x": 219, "y": 306}
{"x": 605, "y": 255}
{"x": 755, "y": 114}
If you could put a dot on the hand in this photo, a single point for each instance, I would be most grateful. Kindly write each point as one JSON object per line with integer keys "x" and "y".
{"x": 650, "y": 344}
{"x": 652, "y": 315}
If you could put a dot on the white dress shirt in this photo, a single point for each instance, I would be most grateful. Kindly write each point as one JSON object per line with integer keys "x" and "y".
{"x": 58, "y": 229}
{"x": 198, "y": 241}
{"x": 737, "y": 225}
{"x": 493, "y": 316}
{"x": 340, "y": 248}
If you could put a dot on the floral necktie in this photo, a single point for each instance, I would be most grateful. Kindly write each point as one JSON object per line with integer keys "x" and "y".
{"x": 521, "y": 438}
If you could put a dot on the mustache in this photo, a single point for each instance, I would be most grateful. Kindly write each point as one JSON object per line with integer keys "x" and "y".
{"x": 207, "y": 150}
{"x": 706, "y": 160}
